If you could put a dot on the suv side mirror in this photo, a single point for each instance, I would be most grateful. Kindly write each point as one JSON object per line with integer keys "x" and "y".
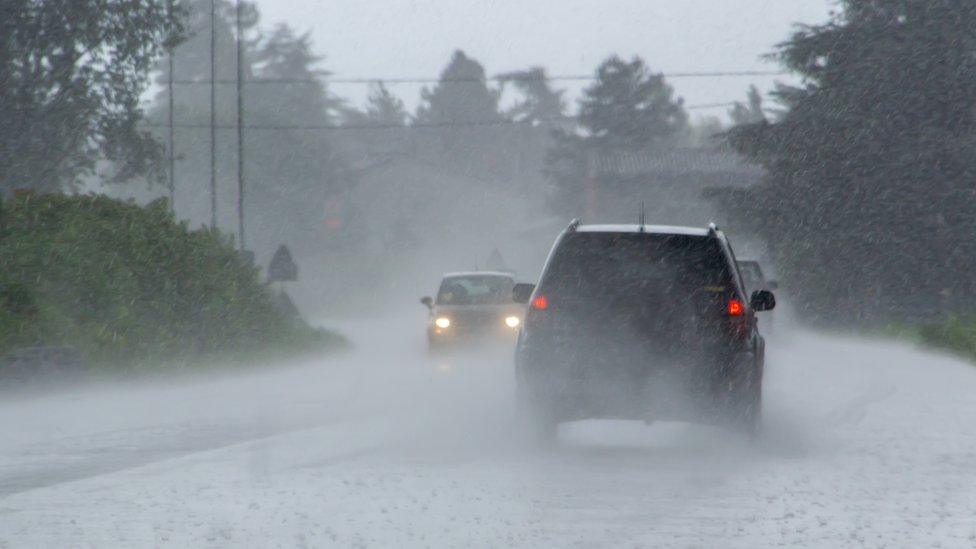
{"x": 772, "y": 285}
{"x": 522, "y": 292}
{"x": 427, "y": 301}
{"x": 762, "y": 300}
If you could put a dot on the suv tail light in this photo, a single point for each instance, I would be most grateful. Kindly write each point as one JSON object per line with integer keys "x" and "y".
{"x": 734, "y": 307}
{"x": 540, "y": 303}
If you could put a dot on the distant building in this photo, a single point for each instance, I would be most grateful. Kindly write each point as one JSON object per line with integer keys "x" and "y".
{"x": 672, "y": 184}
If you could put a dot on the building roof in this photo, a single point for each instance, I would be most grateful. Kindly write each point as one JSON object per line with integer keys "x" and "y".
{"x": 690, "y": 161}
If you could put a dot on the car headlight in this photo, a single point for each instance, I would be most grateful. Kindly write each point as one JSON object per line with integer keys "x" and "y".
{"x": 443, "y": 322}
{"x": 512, "y": 321}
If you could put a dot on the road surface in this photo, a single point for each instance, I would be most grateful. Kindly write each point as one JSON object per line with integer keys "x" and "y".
{"x": 866, "y": 444}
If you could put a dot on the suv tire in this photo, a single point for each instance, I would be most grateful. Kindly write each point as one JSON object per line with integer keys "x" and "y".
{"x": 745, "y": 402}
{"x": 537, "y": 423}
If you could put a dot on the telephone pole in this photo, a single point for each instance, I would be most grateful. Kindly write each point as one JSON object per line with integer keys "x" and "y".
{"x": 172, "y": 140}
{"x": 240, "y": 126}
{"x": 213, "y": 114}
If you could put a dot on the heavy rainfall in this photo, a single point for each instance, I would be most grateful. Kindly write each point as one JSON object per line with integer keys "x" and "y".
{"x": 488, "y": 274}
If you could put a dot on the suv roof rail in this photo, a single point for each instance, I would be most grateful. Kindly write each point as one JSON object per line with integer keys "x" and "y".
{"x": 573, "y": 225}
{"x": 712, "y": 229}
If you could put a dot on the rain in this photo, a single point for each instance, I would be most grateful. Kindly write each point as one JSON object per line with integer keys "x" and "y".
{"x": 463, "y": 274}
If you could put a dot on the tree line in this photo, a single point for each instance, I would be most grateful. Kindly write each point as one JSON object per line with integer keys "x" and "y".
{"x": 71, "y": 76}
{"x": 305, "y": 145}
{"x": 866, "y": 205}
{"x": 96, "y": 96}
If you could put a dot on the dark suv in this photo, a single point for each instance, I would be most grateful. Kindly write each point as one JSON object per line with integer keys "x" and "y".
{"x": 641, "y": 322}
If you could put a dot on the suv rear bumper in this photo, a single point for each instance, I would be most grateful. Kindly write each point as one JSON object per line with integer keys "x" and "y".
{"x": 573, "y": 388}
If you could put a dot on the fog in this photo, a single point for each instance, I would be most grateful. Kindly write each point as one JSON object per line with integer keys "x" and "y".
{"x": 386, "y": 446}
{"x": 244, "y": 304}
{"x": 698, "y": 35}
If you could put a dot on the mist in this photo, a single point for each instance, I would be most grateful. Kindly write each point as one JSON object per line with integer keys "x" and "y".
{"x": 404, "y": 274}
{"x": 387, "y": 446}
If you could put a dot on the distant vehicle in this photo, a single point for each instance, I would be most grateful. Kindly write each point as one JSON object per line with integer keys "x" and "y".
{"x": 473, "y": 307}
{"x": 641, "y": 322}
{"x": 753, "y": 277}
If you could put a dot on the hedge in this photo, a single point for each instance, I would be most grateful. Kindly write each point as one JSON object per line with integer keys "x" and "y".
{"x": 129, "y": 286}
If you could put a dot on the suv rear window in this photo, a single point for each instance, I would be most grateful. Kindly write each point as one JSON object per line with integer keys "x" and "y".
{"x": 635, "y": 267}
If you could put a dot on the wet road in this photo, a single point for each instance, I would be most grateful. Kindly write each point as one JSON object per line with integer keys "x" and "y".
{"x": 866, "y": 443}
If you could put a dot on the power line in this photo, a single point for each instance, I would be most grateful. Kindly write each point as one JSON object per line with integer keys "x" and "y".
{"x": 340, "y": 127}
{"x": 414, "y": 126}
{"x": 557, "y": 78}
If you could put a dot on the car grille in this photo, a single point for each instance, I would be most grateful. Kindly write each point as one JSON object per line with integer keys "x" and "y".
{"x": 477, "y": 320}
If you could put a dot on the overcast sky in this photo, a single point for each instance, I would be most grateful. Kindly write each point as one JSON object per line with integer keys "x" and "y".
{"x": 415, "y": 38}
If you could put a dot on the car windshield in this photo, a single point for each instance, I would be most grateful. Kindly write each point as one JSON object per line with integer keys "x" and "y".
{"x": 475, "y": 290}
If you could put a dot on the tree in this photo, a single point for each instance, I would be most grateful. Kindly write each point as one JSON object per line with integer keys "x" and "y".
{"x": 191, "y": 64}
{"x": 299, "y": 95}
{"x": 373, "y": 132}
{"x": 461, "y": 95}
{"x": 383, "y": 108}
{"x": 291, "y": 169}
{"x": 868, "y": 204}
{"x": 72, "y": 76}
{"x": 192, "y": 54}
{"x": 541, "y": 103}
{"x": 627, "y": 109}
{"x": 460, "y": 119}
{"x": 750, "y": 112}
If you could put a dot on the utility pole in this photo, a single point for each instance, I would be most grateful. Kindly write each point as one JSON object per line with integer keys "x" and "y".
{"x": 240, "y": 126}
{"x": 213, "y": 114}
{"x": 172, "y": 140}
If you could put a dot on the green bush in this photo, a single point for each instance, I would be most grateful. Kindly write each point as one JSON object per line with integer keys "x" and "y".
{"x": 128, "y": 285}
{"x": 955, "y": 334}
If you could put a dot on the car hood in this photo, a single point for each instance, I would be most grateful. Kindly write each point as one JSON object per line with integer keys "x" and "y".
{"x": 512, "y": 308}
